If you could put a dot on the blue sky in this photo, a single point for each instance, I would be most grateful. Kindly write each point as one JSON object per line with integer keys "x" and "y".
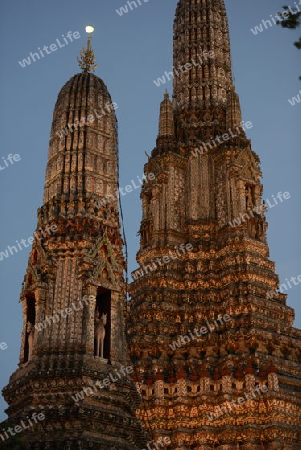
{"x": 132, "y": 51}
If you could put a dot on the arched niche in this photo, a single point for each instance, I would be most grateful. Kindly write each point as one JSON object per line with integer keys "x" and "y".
{"x": 103, "y": 306}
{"x": 30, "y": 321}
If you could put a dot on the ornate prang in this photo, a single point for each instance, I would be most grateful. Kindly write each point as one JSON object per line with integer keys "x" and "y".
{"x": 193, "y": 369}
{"x": 75, "y": 274}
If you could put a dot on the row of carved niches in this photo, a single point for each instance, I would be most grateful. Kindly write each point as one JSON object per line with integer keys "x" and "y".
{"x": 55, "y": 225}
{"x": 215, "y": 349}
{"x": 88, "y": 206}
{"x": 44, "y": 443}
{"x": 102, "y": 325}
{"x": 95, "y": 163}
{"x": 90, "y": 227}
{"x": 229, "y": 377}
{"x": 80, "y": 185}
{"x": 212, "y": 115}
{"x": 78, "y": 139}
{"x": 202, "y": 136}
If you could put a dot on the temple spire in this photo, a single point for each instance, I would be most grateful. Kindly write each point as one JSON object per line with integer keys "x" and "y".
{"x": 87, "y": 56}
{"x": 204, "y": 51}
{"x": 233, "y": 110}
{"x": 166, "y": 122}
{"x": 77, "y": 266}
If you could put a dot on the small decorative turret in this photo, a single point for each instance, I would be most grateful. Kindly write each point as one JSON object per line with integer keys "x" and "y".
{"x": 166, "y": 120}
{"x": 233, "y": 111}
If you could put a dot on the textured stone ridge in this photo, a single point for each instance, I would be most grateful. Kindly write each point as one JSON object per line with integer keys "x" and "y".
{"x": 206, "y": 27}
{"x": 183, "y": 377}
{"x": 201, "y": 93}
{"x": 83, "y": 161}
{"x": 166, "y": 121}
{"x": 73, "y": 274}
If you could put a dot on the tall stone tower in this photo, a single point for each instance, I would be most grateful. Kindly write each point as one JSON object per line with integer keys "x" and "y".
{"x": 218, "y": 362}
{"x": 73, "y": 367}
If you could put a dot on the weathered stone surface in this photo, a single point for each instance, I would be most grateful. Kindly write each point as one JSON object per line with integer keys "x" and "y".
{"x": 191, "y": 382}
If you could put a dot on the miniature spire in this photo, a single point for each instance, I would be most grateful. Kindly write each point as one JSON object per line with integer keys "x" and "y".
{"x": 87, "y": 57}
{"x": 233, "y": 115}
{"x": 209, "y": 76}
{"x": 166, "y": 121}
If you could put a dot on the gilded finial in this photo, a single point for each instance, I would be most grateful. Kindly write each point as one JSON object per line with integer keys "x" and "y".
{"x": 87, "y": 57}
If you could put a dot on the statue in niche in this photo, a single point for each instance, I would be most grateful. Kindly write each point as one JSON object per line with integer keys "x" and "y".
{"x": 252, "y": 227}
{"x": 143, "y": 237}
{"x": 256, "y": 227}
{"x": 146, "y": 234}
{"x": 207, "y": 116}
{"x": 30, "y": 336}
{"x": 99, "y": 333}
{"x": 180, "y": 134}
{"x": 259, "y": 229}
{"x": 249, "y": 201}
{"x": 148, "y": 207}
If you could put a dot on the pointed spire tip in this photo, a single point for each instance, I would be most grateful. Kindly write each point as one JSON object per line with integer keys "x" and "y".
{"x": 87, "y": 57}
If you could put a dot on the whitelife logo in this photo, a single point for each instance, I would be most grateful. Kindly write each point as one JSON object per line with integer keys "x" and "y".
{"x": 279, "y": 18}
{"x": 295, "y": 100}
{"x": 220, "y": 139}
{"x": 11, "y": 158}
{"x": 3, "y": 346}
{"x": 101, "y": 384}
{"x": 53, "y": 48}
{"x": 19, "y": 428}
{"x": 124, "y": 9}
{"x": 184, "y": 68}
{"x": 166, "y": 260}
{"x": 55, "y": 318}
{"x": 183, "y": 340}
{"x": 108, "y": 198}
{"x": 260, "y": 208}
{"x": 49, "y": 229}
{"x": 249, "y": 396}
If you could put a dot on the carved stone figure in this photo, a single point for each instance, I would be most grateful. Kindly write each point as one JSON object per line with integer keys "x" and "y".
{"x": 30, "y": 331}
{"x": 99, "y": 333}
{"x": 249, "y": 201}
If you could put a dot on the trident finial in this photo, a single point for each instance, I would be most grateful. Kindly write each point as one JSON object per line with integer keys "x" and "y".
{"x": 87, "y": 57}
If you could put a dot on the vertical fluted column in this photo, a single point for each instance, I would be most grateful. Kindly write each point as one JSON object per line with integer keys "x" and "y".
{"x": 166, "y": 121}
{"x": 233, "y": 111}
{"x": 89, "y": 292}
{"x": 40, "y": 304}
{"x": 118, "y": 346}
{"x": 202, "y": 61}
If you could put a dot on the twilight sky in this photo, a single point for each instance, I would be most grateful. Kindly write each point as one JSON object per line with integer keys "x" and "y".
{"x": 133, "y": 50}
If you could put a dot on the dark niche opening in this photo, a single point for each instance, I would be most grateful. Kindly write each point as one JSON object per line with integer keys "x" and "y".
{"x": 103, "y": 306}
{"x": 30, "y": 323}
